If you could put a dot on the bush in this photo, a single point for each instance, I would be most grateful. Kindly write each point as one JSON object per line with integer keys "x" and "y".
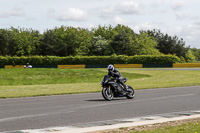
{"x": 89, "y": 60}
{"x": 153, "y": 59}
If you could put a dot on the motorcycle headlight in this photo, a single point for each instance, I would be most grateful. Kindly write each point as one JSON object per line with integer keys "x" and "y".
{"x": 106, "y": 81}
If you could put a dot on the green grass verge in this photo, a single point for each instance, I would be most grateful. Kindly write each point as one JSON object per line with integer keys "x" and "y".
{"x": 41, "y": 82}
{"x": 190, "y": 127}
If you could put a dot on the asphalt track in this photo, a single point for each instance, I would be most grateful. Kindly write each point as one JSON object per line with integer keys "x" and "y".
{"x": 66, "y": 110}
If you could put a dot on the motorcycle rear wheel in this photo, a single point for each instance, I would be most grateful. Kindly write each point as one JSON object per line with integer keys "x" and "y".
{"x": 130, "y": 95}
{"x": 107, "y": 93}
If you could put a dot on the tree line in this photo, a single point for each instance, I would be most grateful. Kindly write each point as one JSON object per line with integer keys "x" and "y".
{"x": 100, "y": 41}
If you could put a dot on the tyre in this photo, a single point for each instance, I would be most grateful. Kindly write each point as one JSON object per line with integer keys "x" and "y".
{"x": 131, "y": 94}
{"x": 107, "y": 93}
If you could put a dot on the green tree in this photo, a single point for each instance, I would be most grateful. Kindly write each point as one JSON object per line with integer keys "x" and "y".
{"x": 6, "y": 42}
{"x": 126, "y": 42}
{"x": 106, "y": 32}
{"x": 168, "y": 44}
{"x": 121, "y": 40}
{"x": 99, "y": 46}
{"x": 143, "y": 44}
{"x": 65, "y": 41}
{"x": 189, "y": 56}
{"x": 196, "y": 53}
{"x": 25, "y": 42}
{"x": 48, "y": 43}
{"x": 83, "y": 41}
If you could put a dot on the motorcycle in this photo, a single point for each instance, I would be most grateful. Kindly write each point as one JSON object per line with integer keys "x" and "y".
{"x": 111, "y": 89}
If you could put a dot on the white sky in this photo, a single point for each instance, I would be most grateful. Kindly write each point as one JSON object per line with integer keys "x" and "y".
{"x": 175, "y": 17}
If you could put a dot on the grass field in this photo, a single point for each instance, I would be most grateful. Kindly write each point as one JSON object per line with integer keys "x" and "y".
{"x": 185, "y": 126}
{"x": 37, "y": 76}
{"x": 40, "y": 82}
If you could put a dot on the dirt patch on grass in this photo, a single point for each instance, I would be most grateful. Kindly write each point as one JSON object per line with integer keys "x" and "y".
{"x": 150, "y": 127}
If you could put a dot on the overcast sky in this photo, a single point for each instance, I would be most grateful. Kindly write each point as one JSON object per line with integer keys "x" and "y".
{"x": 175, "y": 17}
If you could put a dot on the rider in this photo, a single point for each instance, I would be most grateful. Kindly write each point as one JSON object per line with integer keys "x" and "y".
{"x": 117, "y": 75}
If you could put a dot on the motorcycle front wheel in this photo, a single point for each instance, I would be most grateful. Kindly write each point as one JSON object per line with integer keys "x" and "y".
{"x": 131, "y": 94}
{"x": 107, "y": 93}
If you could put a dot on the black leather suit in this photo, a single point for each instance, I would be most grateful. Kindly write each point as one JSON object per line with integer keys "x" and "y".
{"x": 117, "y": 75}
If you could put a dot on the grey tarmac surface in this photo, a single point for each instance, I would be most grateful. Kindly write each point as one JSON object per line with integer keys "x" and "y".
{"x": 77, "y": 109}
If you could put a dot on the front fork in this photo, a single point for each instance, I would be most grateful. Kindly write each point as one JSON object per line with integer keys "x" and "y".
{"x": 108, "y": 89}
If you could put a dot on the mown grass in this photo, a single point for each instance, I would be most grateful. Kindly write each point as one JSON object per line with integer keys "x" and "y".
{"x": 190, "y": 127}
{"x": 41, "y": 82}
{"x": 165, "y": 78}
{"x": 9, "y": 77}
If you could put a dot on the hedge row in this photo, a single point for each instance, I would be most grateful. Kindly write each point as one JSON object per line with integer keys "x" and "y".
{"x": 90, "y": 60}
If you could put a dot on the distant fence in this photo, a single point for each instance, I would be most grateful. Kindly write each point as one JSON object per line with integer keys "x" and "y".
{"x": 83, "y": 66}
